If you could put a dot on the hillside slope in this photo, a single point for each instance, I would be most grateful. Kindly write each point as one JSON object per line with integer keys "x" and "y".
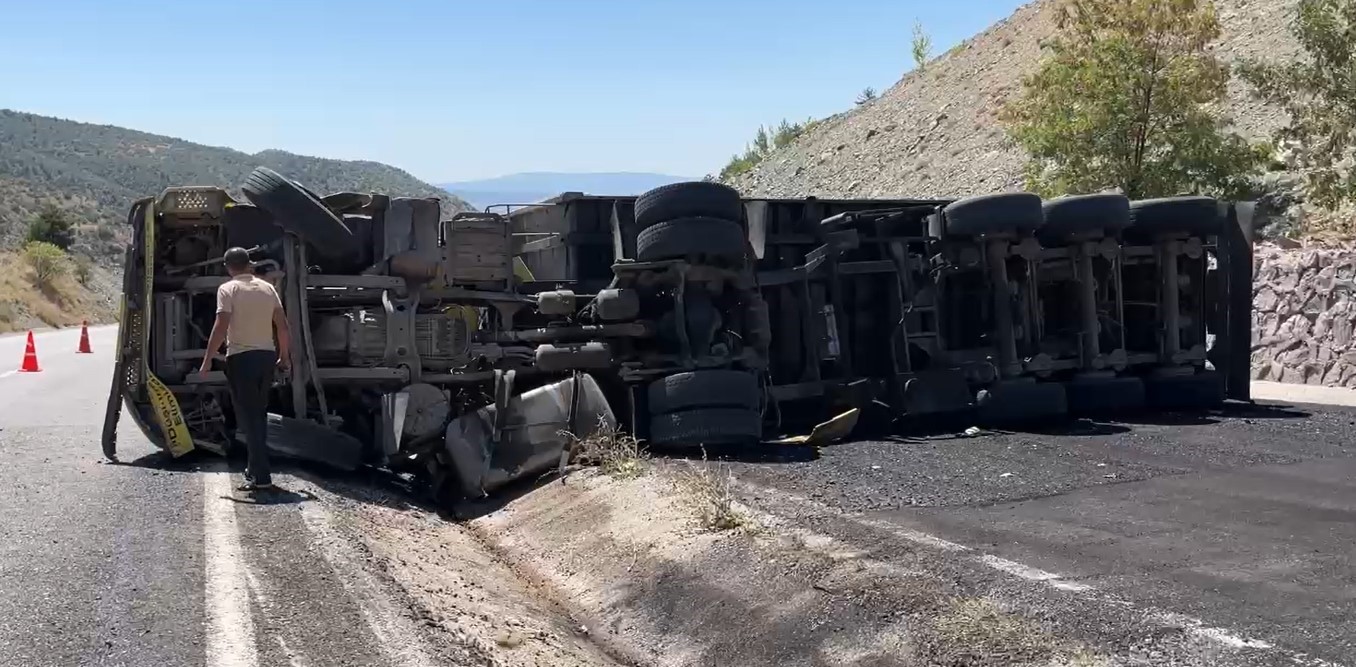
{"x": 95, "y": 172}
{"x": 936, "y": 133}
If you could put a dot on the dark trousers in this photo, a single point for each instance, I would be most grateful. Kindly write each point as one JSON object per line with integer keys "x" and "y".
{"x": 250, "y": 374}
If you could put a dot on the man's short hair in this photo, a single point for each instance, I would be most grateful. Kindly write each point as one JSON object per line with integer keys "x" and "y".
{"x": 237, "y": 259}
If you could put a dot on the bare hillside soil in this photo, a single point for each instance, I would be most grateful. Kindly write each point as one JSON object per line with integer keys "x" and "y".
{"x": 937, "y": 134}
{"x": 24, "y": 305}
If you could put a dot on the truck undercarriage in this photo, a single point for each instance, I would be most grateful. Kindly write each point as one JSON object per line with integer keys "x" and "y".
{"x": 463, "y": 350}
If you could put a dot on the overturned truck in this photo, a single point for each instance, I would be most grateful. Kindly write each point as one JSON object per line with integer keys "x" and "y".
{"x": 463, "y": 349}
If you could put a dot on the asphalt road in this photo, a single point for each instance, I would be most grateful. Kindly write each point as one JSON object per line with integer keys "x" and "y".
{"x": 143, "y": 565}
{"x": 1239, "y": 525}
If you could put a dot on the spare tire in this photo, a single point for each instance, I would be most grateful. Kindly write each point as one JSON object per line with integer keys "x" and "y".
{"x": 299, "y": 212}
{"x": 1082, "y": 214}
{"x": 1198, "y": 216}
{"x": 704, "y": 389}
{"x": 697, "y": 199}
{"x": 1003, "y": 213}
{"x": 345, "y": 202}
{"x": 702, "y": 237}
{"x": 718, "y": 426}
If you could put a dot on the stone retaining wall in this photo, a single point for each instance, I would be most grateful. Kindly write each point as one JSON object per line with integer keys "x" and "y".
{"x": 1304, "y": 306}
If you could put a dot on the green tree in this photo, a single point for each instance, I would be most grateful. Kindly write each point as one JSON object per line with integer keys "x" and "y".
{"x": 47, "y": 261}
{"x": 1125, "y": 98}
{"x": 922, "y": 46}
{"x": 52, "y": 226}
{"x": 1318, "y": 94}
{"x": 866, "y": 95}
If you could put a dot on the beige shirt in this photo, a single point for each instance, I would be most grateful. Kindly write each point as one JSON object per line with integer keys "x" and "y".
{"x": 251, "y": 301}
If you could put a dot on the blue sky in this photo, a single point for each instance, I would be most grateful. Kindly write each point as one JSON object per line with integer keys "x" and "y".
{"x": 456, "y": 90}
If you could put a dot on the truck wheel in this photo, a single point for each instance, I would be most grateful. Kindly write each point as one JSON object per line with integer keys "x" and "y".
{"x": 1193, "y": 215}
{"x": 704, "y": 389}
{"x": 1003, "y": 213}
{"x": 1081, "y": 214}
{"x": 1092, "y": 397}
{"x": 716, "y": 426}
{"x": 698, "y": 199}
{"x": 701, "y": 237}
{"x": 300, "y": 212}
{"x": 1186, "y": 392}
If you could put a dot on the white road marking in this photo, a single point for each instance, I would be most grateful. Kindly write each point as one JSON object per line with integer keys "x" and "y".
{"x": 230, "y": 626}
{"x": 398, "y": 640}
{"x": 1193, "y": 626}
{"x": 7, "y": 374}
{"x": 1032, "y": 574}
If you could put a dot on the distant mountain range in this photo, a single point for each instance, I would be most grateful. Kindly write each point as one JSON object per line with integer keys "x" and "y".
{"x": 95, "y": 172}
{"x": 532, "y": 187}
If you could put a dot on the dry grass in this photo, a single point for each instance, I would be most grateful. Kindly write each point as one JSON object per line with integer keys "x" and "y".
{"x": 613, "y": 452}
{"x": 710, "y": 490}
{"x": 24, "y": 305}
{"x": 978, "y": 631}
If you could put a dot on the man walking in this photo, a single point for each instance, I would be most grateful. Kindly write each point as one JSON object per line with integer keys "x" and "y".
{"x": 248, "y": 310}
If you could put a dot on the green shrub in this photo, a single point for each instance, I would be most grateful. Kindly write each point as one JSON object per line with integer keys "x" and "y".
{"x": 764, "y": 143}
{"x": 84, "y": 268}
{"x": 52, "y": 226}
{"x": 47, "y": 261}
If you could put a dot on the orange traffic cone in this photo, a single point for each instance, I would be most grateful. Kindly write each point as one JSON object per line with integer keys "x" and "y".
{"x": 30, "y": 357}
{"x": 84, "y": 339}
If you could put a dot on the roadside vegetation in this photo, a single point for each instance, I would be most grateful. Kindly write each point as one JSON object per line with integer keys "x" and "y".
{"x": 1128, "y": 98}
{"x": 44, "y": 282}
{"x": 921, "y": 47}
{"x": 763, "y": 144}
{"x": 1316, "y": 93}
{"x": 614, "y": 452}
{"x": 709, "y": 490}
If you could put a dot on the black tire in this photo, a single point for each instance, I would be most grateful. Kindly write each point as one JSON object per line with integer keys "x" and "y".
{"x": 1105, "y": 396}
{"x": 1198, "y": 216}
{"x": 721, "y": 426}
{"x": 1083, "y": 214}
{"x": 1201, "y": 391}
{"x": 704, "y": 389}
{"x": 346, "y": 202}
{"x": 301, "y": 213}
{"x": 1013, "y": 403}
{"x": 713, "y": 238}
{"x": 1003, "y": 213}
{"x": 697, "y": 199}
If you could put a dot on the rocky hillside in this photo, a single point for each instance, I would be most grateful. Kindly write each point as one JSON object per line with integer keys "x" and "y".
{"x": 95, "y": 172}
{"x": 936, "y": 133}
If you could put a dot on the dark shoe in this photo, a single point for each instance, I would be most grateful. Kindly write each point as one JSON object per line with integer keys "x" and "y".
{"x": 251, "y": 487}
